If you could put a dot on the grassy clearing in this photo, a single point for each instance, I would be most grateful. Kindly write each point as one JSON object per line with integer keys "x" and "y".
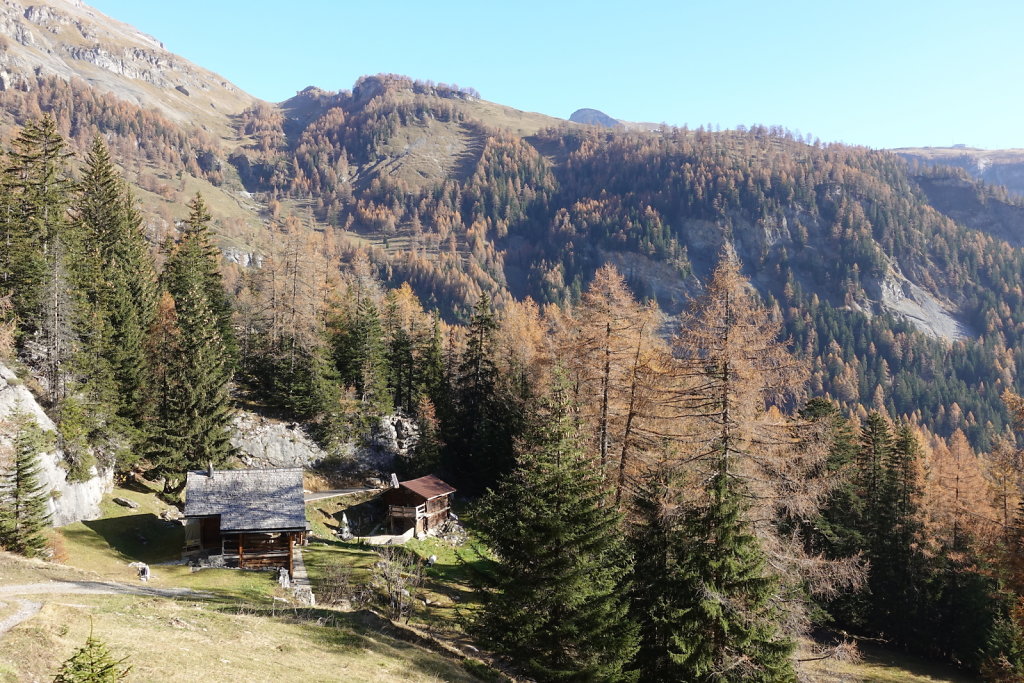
{"x": 239, "y": 632}
{"x": 242, "y": 633}
{"x": 880, "y": 665}
{"x": 105, "y": 547}
{"x": 186, "y": 641}
{"x": 447, "y": 584}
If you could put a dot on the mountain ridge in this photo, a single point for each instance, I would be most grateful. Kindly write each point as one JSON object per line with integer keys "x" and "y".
{"x": 459, "y": 196}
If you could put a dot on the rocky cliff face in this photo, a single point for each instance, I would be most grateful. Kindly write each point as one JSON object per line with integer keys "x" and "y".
{"x": 68, "y": 502}
{"x": 263, "y": 442}
{"x": 68, "y": 39}
{"x": 394, "y": 437}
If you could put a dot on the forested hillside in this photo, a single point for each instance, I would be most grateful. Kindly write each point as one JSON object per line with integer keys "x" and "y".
{"x": 903, "y": 296}
{"x": 892, "y": 277}
{"x": 762, "y": 382}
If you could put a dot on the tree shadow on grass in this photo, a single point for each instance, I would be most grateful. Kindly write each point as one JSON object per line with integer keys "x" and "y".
{"x": 137, "y": 538}
{"x": 364, "y": 518}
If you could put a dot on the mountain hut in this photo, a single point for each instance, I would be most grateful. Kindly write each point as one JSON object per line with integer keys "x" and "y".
{"x": 254, "y": 518}
{"x": 422, "y": 504}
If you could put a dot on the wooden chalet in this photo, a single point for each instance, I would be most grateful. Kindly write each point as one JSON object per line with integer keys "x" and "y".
{"x": 422, "y": 504}
{"x": 252, "y": 517}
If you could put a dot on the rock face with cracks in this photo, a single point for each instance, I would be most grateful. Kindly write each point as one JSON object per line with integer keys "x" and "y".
{"x": 68, "y": 502}
{"x": 263, "y": 442}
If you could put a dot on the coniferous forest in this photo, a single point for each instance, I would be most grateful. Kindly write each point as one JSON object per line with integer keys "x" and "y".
{"x": 718, "y": 404}
{"x": 688, "y": 503}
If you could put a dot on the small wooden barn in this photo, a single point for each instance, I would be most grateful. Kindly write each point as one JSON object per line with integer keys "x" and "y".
{"x": 254, "y": 518}
{"x": 422, "y": 504}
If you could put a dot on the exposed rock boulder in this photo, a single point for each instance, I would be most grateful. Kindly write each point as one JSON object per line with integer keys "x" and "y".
{"x": 263, "y": 442}
{"x": 69, "y": 501}
{"x": 266, "y": 442}
{"x": 395, "y": 436}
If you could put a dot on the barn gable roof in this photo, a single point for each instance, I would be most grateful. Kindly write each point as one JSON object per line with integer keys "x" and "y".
{"x": 248, "y": 500}
{"x": 429, "y": 487}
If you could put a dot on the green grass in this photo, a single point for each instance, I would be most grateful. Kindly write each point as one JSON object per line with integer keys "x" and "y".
{"x": 169, "y": 640}
{"x": 258, "y": 639}
{"x": 880, "y": 665}
{"x": 236, "y": 632}
{"x": 107, "y": 546}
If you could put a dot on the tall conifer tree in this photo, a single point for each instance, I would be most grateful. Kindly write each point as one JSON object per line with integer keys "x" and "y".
{"x": 657, "y": 586}
{"x": 192, "y": 426}
{"x": 35, "y": 218}
{"x": 557, "y": 603}
{"x": 755, "y": 469}
{"x": 487, "y": 414}
{"x": 115, "y": 278}
{"x": 728, "y": 630}
{"x": 42, "y": 242}
{"x": 23, "y": 515}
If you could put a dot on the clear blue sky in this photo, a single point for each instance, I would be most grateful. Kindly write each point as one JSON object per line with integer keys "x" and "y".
{"x": 883, "y": 74}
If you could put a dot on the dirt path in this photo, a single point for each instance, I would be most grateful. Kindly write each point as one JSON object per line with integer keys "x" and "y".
{"x": 322, "y": 495}
{"x": 26, "y": 609}
{"x": 96, "y": 588}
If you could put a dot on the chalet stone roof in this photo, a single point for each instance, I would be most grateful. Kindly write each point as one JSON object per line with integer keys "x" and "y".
{"x": 248, "y": 500}
{"x": 428, "y": 486}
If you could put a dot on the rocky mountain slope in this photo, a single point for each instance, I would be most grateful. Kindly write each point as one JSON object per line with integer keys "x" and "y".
{"x": 68, "y": 39}
{"x": 458, "y": 196}
{"x": 1004, "y": 167}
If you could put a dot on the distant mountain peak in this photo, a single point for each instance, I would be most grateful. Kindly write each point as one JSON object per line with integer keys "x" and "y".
{"x": 594, "y": 117}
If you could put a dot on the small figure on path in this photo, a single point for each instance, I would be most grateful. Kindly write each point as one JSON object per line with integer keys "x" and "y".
{"x": 143, "y": 570}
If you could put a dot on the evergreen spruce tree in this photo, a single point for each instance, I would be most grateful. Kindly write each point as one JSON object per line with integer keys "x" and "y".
{"x": 557, "y": 602}
{"x": 37, "y": 263}
{"x": 402, "y": 378}
{"x": 729, "y": 628}
{"x": 92, "y": 663}
{"x": 198, "y": 237}
{"x": 873, "y": 517}
{"x": 35, "y": 218}
{"x": 873, "y": 457}
{"x": 115, "y": 277}
{"x": 360, "y": 351}
{"x": 897, "y": 565}
{"x": 371, "y": 359}
{"x": 23, "y": 515}
{"x": 303, "y": 381}
{"x": 191, "y": 427}
{"x": 430, "y": 368}
{"x": 657, "y": 591}
{"x": 488, "y": 414}
{"x": 834, "y": 532}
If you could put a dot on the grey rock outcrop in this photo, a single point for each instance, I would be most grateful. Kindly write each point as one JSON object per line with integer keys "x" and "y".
{"x": 68, "y": 502}
{"x": 263, "y": 442}
{"x": 395, "y": 436}
{"x": 68, "y": 39}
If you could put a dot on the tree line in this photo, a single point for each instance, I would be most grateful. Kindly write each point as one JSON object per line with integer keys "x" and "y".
{"x": 685, "y": 510}
{"x": 130, "y": 363}
{"x": 539, "y": 216}
{"x": 669, "y": 494}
